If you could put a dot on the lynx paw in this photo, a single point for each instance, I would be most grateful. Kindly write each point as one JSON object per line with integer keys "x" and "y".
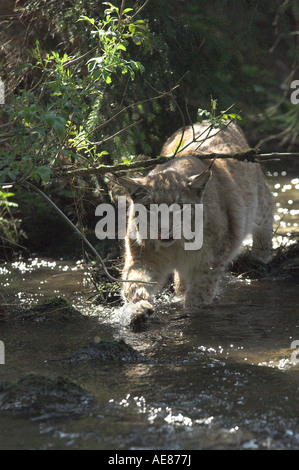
{"x": 141, "y": 311}
{"x": 143, "y": 307}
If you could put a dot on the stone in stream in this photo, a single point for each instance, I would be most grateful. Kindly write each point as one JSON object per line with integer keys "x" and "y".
{"x": 57, "y": 309}
{"x": 43, "y": 395}
{"x": 106, "y": 351}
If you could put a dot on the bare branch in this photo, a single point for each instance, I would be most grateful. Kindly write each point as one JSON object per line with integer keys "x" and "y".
{"x": 117, "y": 133}
{"x": 26, "y": 185}
{"x": 161, "y": 95}
{"x": 141, "y": 8}
{"x": 250, "y": 155}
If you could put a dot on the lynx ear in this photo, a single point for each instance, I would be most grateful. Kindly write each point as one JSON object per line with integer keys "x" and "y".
{"x": 131, "y": 184}
{"x": 200, "y": 181}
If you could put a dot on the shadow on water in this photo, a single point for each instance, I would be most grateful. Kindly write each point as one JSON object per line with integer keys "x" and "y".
{"x": 223, "y": 377}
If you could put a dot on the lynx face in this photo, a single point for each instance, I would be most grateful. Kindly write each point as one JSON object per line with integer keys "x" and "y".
{"x": 160, "y": 206}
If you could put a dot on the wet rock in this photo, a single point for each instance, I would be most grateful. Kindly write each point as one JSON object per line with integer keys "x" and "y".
{"x": 44, "y": 394}
{"x": 52, "y": 309}
{"x": 106, "y": 351}
{"x": 284, "y": 264}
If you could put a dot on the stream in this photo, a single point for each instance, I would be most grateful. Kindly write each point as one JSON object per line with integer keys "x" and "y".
{"x": 223, "y": 377}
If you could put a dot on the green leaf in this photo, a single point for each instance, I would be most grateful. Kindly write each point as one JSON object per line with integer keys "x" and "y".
{"x": 235, "y": 116}
{"x": 41, "y": 173}
{"x": 136, "y": 40}
{"x": 59, "y": 126}
{"x": 49, "y": 118}
{"x": 106, "y": 77}
{"x": 4, "y": 195}
{"x": 86, "y": 18}
{"x": 20, "y": 68}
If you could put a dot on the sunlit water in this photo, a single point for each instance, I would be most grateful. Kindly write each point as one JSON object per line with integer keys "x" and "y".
{"x": 285, "y": 191}
{"x": 222, "y": 377}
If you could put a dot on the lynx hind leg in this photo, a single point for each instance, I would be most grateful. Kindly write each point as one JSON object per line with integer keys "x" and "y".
{"x": 263, "y": 230}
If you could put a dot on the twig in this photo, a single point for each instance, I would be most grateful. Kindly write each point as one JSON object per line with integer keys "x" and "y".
{"x": 12, "y": 242}
{"x": 208, "y": 130}
{"x": 251, "y": 155}
{"x": 141, "y": 8}
{"x": 161, "y": 95}
{"x": 121, "y": 10}
{"x": 76, "y": 59}
{"x": 276, "y": 155}
{"x": 184, "y": 125}
{"x": 117, "y": 133}
{"x": 190, "y": 121}
{"x": 81, "y": 235}
{"x": 170, "y": 93}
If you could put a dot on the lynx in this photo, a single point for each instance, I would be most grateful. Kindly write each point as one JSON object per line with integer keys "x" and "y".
{"x": 236, "y": 202}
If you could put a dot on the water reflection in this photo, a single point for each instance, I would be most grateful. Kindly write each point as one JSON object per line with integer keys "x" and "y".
{"x": 286, "y": 213}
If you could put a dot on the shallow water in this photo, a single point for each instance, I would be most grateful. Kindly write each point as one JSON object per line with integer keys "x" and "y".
{"x": 222, "y": 377}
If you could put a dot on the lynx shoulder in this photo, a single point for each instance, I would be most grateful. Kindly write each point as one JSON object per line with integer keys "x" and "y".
{"x": 236, "y": 202}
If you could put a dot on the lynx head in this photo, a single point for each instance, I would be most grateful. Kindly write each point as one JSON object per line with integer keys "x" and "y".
{"x": 159, "y": 199}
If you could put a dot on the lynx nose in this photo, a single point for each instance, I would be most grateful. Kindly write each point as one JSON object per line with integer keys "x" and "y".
{"x": 165, "y": 235}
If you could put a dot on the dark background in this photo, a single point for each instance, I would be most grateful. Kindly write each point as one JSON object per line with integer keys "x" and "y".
{"x": 241, "y": 52}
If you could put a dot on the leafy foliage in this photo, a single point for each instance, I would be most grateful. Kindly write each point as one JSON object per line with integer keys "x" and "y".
{"x": 9, "y": 225}
{"x": 54, "y": 121}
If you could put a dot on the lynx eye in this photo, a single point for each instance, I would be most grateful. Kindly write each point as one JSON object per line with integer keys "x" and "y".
{"x": 140, "y": 194}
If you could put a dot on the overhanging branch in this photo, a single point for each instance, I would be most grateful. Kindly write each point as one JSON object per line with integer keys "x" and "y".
{"x": 251, "y": 155}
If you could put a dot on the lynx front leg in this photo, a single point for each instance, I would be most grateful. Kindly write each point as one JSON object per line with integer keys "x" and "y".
{"x": 202, "y": 287}
{"x": 140, "y": 295}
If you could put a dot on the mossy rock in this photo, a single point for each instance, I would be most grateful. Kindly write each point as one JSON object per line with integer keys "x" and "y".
{"x": 44, "y": 394}
{"x": 57, "y": 309}
{"x": 106, "y": 351}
